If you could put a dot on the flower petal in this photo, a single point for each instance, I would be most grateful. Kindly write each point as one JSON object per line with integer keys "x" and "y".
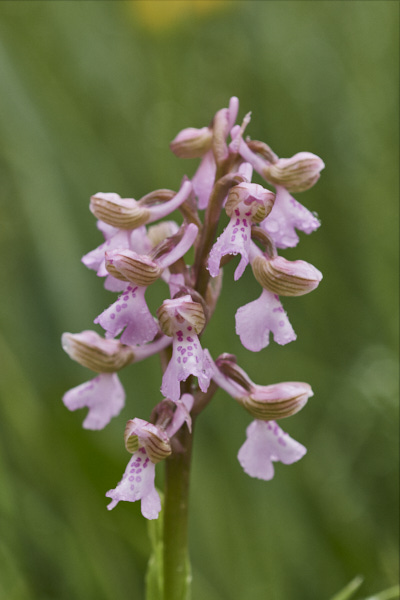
{"x": 256, "y": 320}
{"x": 137, "y": 483}
{"x": 267, "y": 443}
{"x": 103, "y": 395}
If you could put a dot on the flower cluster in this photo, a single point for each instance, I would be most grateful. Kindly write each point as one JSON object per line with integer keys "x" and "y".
{"x": 137, "y": 252}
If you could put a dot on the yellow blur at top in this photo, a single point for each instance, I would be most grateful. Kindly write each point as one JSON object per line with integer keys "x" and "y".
{"x": 163, "y": 15}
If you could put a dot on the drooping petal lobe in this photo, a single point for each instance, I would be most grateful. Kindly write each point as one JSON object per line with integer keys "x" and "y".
{"x": 258, "y": 319}
{"x": 103, "y": 395}
{"x": 137, "y": 483}
{"x": 267, "y": 443}
{"x": 129, "y": 312}
{"x": 286, "y": 216}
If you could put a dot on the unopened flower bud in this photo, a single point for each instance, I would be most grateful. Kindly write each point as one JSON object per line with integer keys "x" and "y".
{"x": 130, "y": 266}
{"x": 284, "y": 277}
{"x": 192, "y": 142}
{"x": 101, "y": 355}
{"x": 259, "y": 200}
{"x": 123, "y": 213}
{"x": 271, "y": 402}
{"x": 154, "y": 440}
{"x": 173, "y": 313}
{"x": 296, "y": 174}
{"x": 264, "y": 402}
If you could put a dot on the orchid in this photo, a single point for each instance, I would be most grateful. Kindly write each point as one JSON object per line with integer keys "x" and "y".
{"x": 188, "y": 259}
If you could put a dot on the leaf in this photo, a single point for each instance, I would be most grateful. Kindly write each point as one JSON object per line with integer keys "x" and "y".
{"x": 390, "y": 594}
{"x": 347, "y": 592}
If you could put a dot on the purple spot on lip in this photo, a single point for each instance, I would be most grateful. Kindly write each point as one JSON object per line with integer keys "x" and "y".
{"x": 118, "y": 308}
{"x": 112, "y": 316}
{"x": 126, "y": 298}
{"x": 189, "y": 339}
{"x": 281, "y": 323}
{"x": 138, "y": 479}
{"x": 124, "y": 305}
{"x": 189, "y": 328}
{"x": 184, "y": 359}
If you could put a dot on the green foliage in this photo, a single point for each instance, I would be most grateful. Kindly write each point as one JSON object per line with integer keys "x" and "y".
{"x": 90, "y": 99}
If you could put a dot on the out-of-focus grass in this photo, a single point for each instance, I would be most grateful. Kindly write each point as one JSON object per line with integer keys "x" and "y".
{"x": 91, "y": 97}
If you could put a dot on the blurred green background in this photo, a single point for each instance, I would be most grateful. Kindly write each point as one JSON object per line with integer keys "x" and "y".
{"x": 92, "y": 94}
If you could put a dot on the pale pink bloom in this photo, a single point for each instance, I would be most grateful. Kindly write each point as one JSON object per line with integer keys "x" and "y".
{"x": 236, "y": 237}
{"x": 183, "y": 320}
{"x": 188, "y": 358}
{"x": 267, "y": 443}
{"x": 103, "y": 395}
{"x": 137, "y": 483}
{"x": 256, "y": 320}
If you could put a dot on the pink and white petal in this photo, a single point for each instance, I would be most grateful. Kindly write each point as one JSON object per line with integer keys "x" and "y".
{"x": 181, "y": 415}
{"x": 256, "y": 320}
{"x": 286, "y": 216}
{"x": 267, "y": 443}
{"x": 151, "y": 505}
{"x": 130, "y": 311}
{"x": 103, "y": 395}
{"x": 137, "y": 483}
{"x": 170, "y": 387}
{"x": 203, "y": 179}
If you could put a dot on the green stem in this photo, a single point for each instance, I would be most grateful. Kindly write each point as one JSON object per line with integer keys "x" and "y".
{"x": 176, "y": 501}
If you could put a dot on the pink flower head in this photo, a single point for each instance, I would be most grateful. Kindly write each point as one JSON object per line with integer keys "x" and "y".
{"x": 103, "y": 395}
{"x": 267, "y": 443}
{"x": 183, "y": 319}
{"x": 256, "y": 320}
{"x": 247, "y": 203}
